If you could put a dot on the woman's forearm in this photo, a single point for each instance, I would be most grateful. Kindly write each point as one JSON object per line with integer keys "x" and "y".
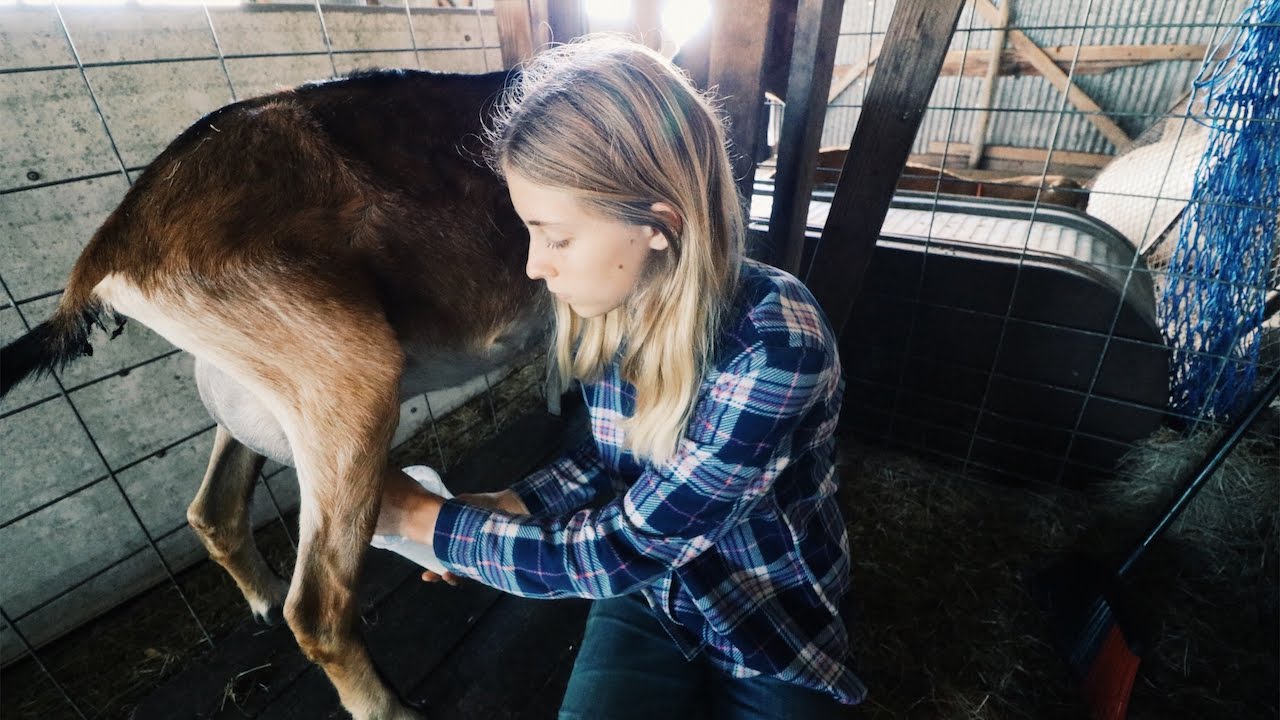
{"x": 407, "y": 509}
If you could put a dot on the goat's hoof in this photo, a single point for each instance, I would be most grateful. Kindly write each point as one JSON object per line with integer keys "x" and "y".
{"x": 272, "y": 617}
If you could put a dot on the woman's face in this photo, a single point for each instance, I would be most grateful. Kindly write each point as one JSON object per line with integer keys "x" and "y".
{"x": 591, "y": 262}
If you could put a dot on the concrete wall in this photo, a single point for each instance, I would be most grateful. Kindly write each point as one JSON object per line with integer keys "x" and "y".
{"x": 88, "y": 95}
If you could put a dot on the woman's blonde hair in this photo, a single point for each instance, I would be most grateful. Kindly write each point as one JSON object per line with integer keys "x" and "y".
{"x": 623, "y": 128}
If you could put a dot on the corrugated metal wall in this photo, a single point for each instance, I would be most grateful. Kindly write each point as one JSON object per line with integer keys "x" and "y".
{"x": 1028, "y": 111}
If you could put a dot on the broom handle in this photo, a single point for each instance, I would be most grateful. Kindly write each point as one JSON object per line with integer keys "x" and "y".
{"x": 1211, "y": 463}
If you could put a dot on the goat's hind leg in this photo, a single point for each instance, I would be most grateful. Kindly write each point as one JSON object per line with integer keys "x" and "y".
{"x": 219, "y": 514}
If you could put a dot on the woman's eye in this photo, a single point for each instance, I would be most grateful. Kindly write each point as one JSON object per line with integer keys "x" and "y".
{"x": 558, "y": 244}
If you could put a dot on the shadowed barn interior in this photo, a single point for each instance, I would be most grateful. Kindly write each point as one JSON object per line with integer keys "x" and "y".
{"x": 999, "y": 205}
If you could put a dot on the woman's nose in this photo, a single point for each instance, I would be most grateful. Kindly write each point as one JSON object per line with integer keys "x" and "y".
{"x": 539, "y": 266}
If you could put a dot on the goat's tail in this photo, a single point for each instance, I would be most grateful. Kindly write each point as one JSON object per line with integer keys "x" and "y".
{"x": 52, "y": 344}
{"x": 55, "y": 343}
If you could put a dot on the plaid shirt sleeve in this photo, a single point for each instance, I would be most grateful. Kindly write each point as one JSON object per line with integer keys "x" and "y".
{"x": 566, "y": 484}
{"x": 737, "y": 443}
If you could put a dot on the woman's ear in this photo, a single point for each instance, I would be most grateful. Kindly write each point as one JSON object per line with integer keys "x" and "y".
{"x": 671, "y": 218}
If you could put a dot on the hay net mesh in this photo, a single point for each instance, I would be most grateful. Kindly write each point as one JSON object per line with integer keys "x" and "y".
{"x": 1221, "y": 268}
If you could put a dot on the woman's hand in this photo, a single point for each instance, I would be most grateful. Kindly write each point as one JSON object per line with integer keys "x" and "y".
{"x": 407, "y": 509}
{"x": 502, "y": 501}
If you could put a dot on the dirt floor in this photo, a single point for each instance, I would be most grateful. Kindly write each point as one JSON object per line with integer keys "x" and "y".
{"x": 943, "y": 565}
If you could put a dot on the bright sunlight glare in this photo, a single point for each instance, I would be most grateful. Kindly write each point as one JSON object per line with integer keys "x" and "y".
{"x": 613, "y": 11}
{"x": 682, "y": 19}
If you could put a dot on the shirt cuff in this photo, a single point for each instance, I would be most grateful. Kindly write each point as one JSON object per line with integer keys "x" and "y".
{"x": 527, "y": 491}
{"x": 459, "y": 528}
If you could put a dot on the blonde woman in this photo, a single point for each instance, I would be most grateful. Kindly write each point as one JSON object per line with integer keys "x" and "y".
{"x": 720, "y": 565}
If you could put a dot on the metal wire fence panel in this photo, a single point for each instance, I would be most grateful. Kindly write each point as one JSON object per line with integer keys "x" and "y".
{"x": 996, "y": 331}
{"x": 102, "y": 459}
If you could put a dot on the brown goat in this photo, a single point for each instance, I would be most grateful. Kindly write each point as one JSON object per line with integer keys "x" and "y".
{"x": 323, "y": 253}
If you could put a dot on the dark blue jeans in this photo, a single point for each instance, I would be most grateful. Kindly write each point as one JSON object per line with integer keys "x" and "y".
{"x": 628, "y": 667}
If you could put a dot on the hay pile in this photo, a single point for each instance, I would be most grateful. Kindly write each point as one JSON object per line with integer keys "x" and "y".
{"x": 942, "y": 570}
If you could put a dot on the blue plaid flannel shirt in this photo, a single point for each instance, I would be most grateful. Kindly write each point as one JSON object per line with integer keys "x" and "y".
{"x": 737, "y": 543}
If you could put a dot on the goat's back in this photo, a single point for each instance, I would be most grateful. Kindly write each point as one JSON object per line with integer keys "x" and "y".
{"x": 372, "y": 182}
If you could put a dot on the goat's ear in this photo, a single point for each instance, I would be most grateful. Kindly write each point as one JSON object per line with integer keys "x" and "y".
{"x": 670, "y": 218}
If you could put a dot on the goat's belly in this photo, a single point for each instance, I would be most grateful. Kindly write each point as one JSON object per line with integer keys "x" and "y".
{"x": 429, "y": 367}
{"x": 241, "y": 412}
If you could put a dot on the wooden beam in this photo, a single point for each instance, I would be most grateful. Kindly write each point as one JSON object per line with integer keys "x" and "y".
{"x": 914, "y": 46}
{"x": 1092, "y": 59}
{"x": 739, "y": 36}
{"x": 817, "y": 31}
{"x": 567, "y": 19}
{"x": 1054, "y": 74}
{"x": 1009, "y": 152}
{"x": 978, "y": 138}
{"x": 515, "y": 36}
{"x": 846, "y": 75}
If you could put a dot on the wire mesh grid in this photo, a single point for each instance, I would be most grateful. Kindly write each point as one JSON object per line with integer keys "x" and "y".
{"x": 997, "y": 331}
{"x": 166, "y": 540}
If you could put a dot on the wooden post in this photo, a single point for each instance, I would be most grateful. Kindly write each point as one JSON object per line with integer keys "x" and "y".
{"x": 567, "y": 18}
{"x": 739, "y": 40}
{"x": 514, "y": 31}
{"x": 527, "y": 26}
{"x": 906, "y": 71}
{"x": 850, "y": 74}
{"x": 978, "y": 139}
{"x": 813, "y": 58}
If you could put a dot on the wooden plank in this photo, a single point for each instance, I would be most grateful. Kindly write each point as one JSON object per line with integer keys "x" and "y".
{"x": 515, "y": 35}
{"x": 1059, "y": 79}
{"x": 408, "y": 637}
{"x": 1009, "y": 152}
{"x": 254, "y": 665}
{"x": 813, "y": 54}
{"x": 917, "y": 39}
{"x": 739, "y": 34}
{"x": 1092, "y": 59}
{"x": 846, "y": 75}
{"x": 519, "y": 654}
{"x": 978, "y": 138}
